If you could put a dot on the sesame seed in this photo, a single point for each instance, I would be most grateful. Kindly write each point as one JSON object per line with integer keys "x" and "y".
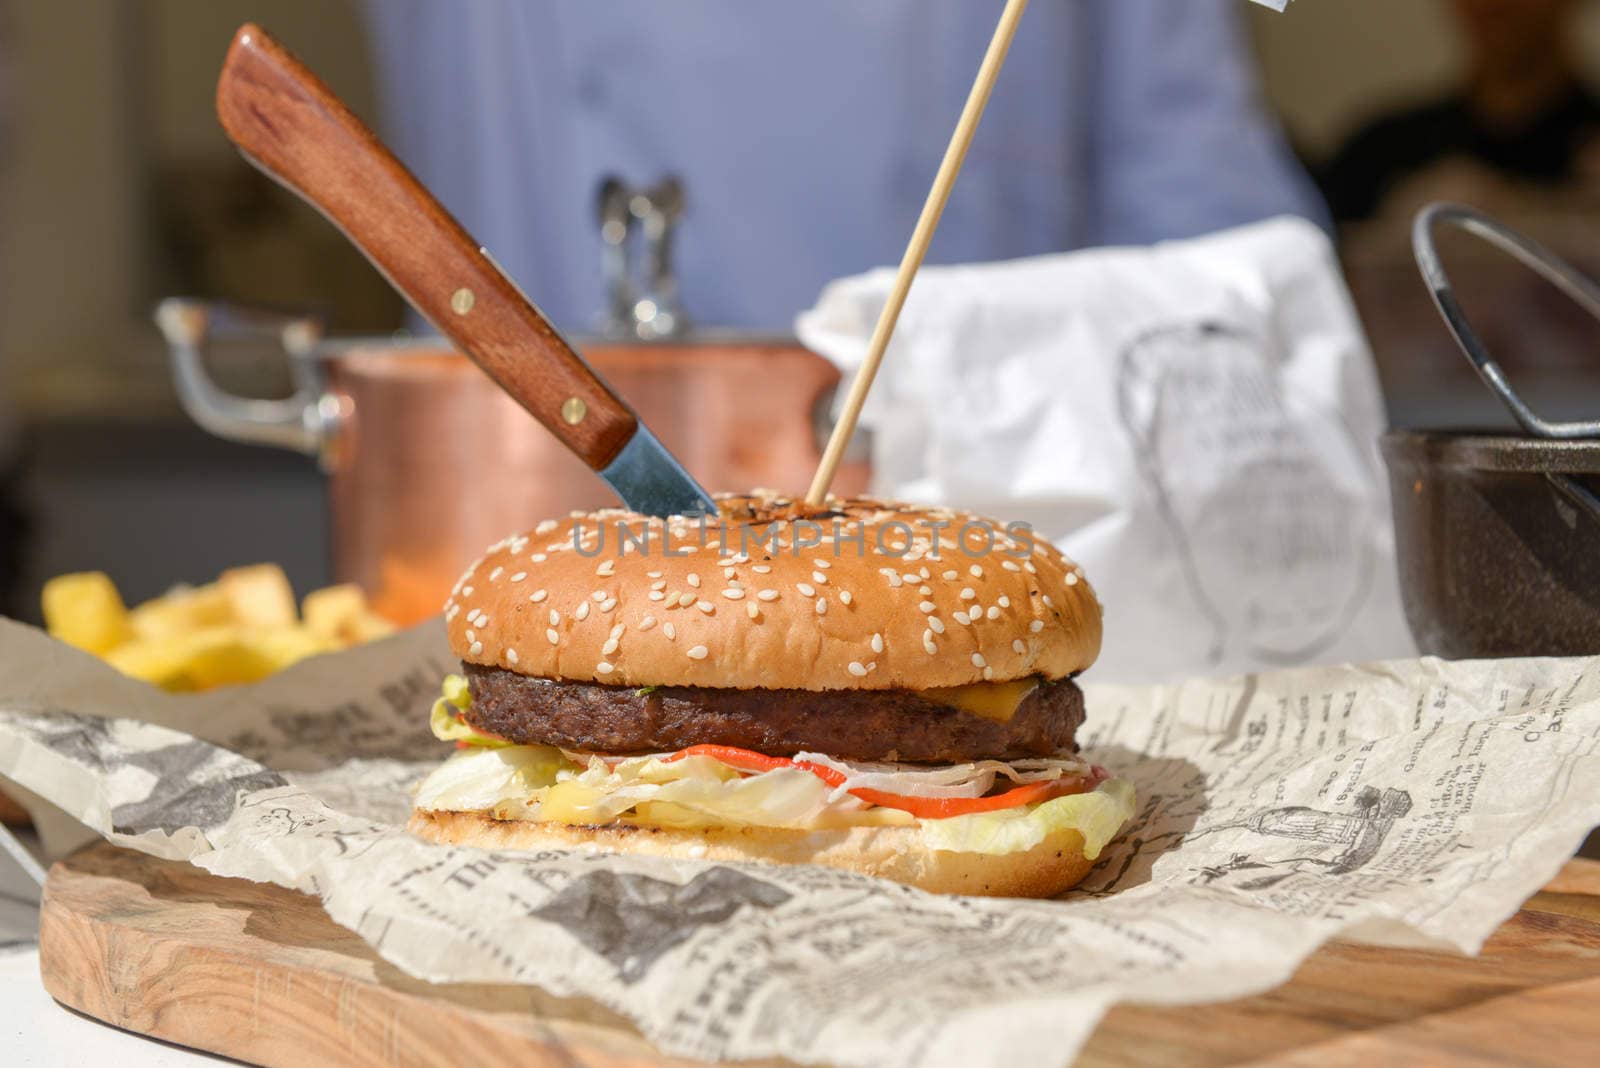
{"x": 978, "y": 660}
{"x": 1036, "y": 626}
{"x": 1071, "y": 579}
{"x": 606, "y": 568}
{"x": 844, "y": 597}
{"x": 538, "y": 595}
{"x": 924, "y": 572}
{"x": 466, "y": 591}
{"x": 967, "y": 593}
{"x": 472, "y": 636}
{"x": 496, "y": 573}
{"x": 657, "y": 595}
{"x": 733, "y": 594}
{"x": 877, "y": 643}
{"x": 555, "y": 618}
{"x": 685, "y": 600}
{"x": 598, "y": 595}
{"x": 927, "y": 643}
{"x": 925, "y": 590}
{"x": 602, "y": 668}
{"x": 1004, "y": 602}
{"x": 694, "y": 580}
{"x": 819, "y": 578}
{"x": 477, "y": 647}
{"x": 1027, "y": 565}
{"x": 988, "y": 673}
{"x": 960, "y": 617}
{"x": 699, "y": 652}
{"x": 455, "y": 610}
{"x": 806, "y": 588}
{"x": 927, "y": 635}
{"x": 751, "y": 610}
{"x": 647, "y": 622}
{"x": 609, "y": 647}
{"x": 652, "y": 574}
{"x": 616, "y": 631}
{"x": 582, "y": 613}
{"x": 768, "y": 595}
{"x": 927, "y": 606}
{"x": 511, "y": 655}
{"x": 538, "y": 558}
{"x": 659, "y": 584}
{"x": 1048, "y": 603}
{"x": 857, "y": 668}
{"x": 1018, "y": 646}
{"x": 894, "y": 579}
{"x": 936, "y": 624}
{"x": 975, "y": 571}
{"x": 552, "y": 636}
{"x": 1009, "y": 565}
{"x": 911, "y": 576}
{"x": 545, "y": 527}
{"x": 706, "y": 606}
{"x": 670, "y": 631}
{"x": 992, "y": 612}
{"x": 948, "y": 575}
{"x": 822, "y": 606}
{"x": 728, "y": 572}
{"x": 762, "y": 569}
{"x": 608, "y": 604}
{"x": 519, "y": 576}
{"x": 824, "y": 564}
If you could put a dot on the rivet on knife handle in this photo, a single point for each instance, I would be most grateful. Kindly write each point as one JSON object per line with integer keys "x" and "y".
{"x": 288, "y": 123}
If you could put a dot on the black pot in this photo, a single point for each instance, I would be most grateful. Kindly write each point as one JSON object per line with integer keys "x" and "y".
{"x": 1498, "y": 541}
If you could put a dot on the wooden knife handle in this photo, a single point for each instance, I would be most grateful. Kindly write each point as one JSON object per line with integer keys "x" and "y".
{"x": 289, "y": 124}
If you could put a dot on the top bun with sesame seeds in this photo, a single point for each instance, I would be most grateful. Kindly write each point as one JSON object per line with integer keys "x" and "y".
{"x": 858, "y": 595}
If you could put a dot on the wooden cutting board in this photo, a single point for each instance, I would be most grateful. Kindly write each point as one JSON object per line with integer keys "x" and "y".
{"x": 261, "y": 974}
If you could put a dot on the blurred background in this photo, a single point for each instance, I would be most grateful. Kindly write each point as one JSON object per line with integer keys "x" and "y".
{"x": 117, "y": 188}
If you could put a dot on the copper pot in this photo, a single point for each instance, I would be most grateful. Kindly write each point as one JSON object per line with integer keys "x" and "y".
{"x": 428, "y": 461}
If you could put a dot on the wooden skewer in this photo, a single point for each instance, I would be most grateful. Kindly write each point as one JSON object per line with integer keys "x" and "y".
{"x": 927, "y": 223}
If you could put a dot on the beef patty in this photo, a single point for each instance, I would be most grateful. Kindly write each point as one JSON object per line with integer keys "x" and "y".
{"x": 849, "y": 724}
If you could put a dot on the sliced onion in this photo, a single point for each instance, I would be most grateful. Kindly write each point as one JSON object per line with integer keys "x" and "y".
{"x": 952, "y": 780}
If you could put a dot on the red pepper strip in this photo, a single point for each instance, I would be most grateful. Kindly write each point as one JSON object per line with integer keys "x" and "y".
{"x": 921, "y": 807}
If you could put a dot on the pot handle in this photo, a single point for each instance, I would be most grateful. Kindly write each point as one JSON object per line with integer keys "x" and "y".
{"x": 1532, "y": 255}
{"x": 1577, "y": 286}
{"x": 295, "y": 422}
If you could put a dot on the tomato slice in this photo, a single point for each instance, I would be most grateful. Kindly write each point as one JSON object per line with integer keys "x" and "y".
{"x": 921, "y": 807}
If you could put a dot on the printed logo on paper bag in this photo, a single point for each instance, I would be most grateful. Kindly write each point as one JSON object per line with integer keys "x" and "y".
{"x": 1248, "y": 483}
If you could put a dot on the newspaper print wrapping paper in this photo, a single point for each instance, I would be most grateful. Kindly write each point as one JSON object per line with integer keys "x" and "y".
{"x": 1413, "y": 802}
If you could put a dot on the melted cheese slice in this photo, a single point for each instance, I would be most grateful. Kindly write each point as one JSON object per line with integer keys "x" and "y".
{"x": 997, "y": 701}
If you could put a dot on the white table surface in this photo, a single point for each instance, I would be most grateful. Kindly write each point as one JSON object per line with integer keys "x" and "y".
{"x": 36, "y": 1032}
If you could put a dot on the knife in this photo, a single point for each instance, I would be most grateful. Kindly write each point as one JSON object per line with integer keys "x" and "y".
{"x": 290, "y": 125}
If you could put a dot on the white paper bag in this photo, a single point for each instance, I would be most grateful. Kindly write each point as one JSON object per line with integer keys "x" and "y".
{"x": 1194, "y": 422}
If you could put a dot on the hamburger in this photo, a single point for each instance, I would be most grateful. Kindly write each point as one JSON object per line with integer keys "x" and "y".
{"x": 875, "y": 686}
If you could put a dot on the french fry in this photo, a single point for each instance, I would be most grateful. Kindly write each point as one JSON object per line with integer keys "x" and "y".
{"x": 259, "y": 595}
{"x": 85, "y": 610}
{"x": 181, "y": 611}
{"x": 329, "y": 610}
{"x": 342, "y": 613}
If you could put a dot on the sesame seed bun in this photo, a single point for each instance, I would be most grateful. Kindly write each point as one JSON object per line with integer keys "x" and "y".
{"x": 899, "y": 853}
{"x": 874, "y": 605}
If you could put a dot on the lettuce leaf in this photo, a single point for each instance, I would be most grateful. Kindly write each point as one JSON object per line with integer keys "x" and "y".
{"x": 481, "y": 778}
{"x": 1097, "y": 815}
{"x": 446, "y": 721}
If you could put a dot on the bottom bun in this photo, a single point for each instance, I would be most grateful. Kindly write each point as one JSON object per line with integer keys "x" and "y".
{"x": 898, "y": 853}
